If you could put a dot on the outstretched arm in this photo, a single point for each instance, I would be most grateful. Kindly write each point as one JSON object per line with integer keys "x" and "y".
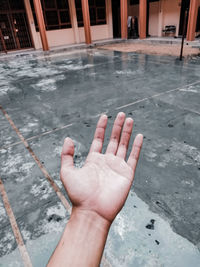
{"x": 97, "y": 191}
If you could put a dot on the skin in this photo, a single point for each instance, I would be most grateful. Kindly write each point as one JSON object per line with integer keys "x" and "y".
{"x": 97, "y": 191}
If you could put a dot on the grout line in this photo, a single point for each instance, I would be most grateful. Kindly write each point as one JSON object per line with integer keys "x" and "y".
{"x": 198, "y": 113}
{"x": 144, "y": 99}
{"x": 190, "y": 110}
{"x": 36, "y": 136}
{"x": 11, "y": 145}
{"x": 24, "y": 253}
{"x": 150, "y": 97}
{"x": 42, "y": 168}
{"x": 50, "y": 131}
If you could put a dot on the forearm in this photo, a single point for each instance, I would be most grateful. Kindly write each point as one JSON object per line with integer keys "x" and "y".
{"x": 82, "y": 242}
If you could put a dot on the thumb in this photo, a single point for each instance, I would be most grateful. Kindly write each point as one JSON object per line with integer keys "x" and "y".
{"x": 67, "y": 153}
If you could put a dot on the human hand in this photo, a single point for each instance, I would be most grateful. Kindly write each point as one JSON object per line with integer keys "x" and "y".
{"x": 102, "y": 185}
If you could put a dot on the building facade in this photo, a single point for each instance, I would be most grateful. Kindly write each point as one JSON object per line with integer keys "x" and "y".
{"x": 44, "y": 24}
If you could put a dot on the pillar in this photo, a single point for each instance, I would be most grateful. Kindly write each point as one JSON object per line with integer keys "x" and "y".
{"x": 142, "y": 18}
{"x": 86, "y": 21}
{"x": 34, "y": 36}
{"x": 109, "y": 18}
{"x": 124, "y": 18}
{"x": 192, "y": 20}
{"x": 160, "y": 18}
{"x": 41, "y": 24}
{"x": 73, "y": 17}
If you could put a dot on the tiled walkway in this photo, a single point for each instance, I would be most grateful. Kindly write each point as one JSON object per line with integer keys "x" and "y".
{"x": 46, "y": 98}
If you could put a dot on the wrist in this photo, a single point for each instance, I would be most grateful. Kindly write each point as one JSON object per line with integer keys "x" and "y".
{"x": 83, "y": 240}
{"x": 89, "y": 218}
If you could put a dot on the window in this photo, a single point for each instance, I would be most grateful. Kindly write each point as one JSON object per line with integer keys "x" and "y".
{"x": 97, "y": 12}
{"x": 56, "y": 14}
{"x": 79, "y": 13}
{"x": 16, "y": 5}
{"x": 49, "y": 4}
{"x": 136, "y": 2}
{"x": 4, "y": 5}
{"x": 11, "y": 5}
{"x": 198, "y": 21}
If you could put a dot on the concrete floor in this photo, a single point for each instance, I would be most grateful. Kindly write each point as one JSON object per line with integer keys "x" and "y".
{"x": 49, "y": 97}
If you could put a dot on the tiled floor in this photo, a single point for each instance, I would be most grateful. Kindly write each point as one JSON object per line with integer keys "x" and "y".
{"x": 46, "y": 98}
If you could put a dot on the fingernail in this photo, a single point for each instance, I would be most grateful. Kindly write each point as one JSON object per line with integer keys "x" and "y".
{"x": 121, "y": 114}
{"x": 140, "y": 137}
{"x": 129, "y": 121}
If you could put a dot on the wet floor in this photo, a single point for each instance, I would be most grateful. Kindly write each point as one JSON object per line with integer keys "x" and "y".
{"x": 46, "y": 98}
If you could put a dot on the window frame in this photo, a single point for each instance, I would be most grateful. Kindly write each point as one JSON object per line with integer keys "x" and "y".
{"x": 96, "y": 21}
{"x": 60, "y": 24}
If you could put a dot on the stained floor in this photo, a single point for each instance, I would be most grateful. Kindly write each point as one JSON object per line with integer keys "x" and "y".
{"x": 49, "y": 97}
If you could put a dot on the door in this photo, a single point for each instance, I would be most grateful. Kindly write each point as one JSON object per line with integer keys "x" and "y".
{"x": 116, "y": 18}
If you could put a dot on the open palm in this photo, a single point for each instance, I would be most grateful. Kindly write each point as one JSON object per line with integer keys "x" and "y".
{"x": 103, "y": 183}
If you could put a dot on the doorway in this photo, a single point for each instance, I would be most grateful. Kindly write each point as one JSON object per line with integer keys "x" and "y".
{"x": 184, "y": 6}
{"x": 147, "y": 22}
{"x": 14, "y": 29}
{"x": 116, "y": 18}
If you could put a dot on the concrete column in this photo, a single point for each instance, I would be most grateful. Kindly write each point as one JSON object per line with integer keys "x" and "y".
{"x": 109, "y": 18}
{"x": 192, "y": 20}
{"x": 142, "y": 18}
{"x": 35, "y": 37}
{"x": 86, "y": 21}
{"x": 73, "y": 17}
{"x": 41, "y": 24}
{"x": 124, "y": 18}
{"x": 160, "y": 18}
